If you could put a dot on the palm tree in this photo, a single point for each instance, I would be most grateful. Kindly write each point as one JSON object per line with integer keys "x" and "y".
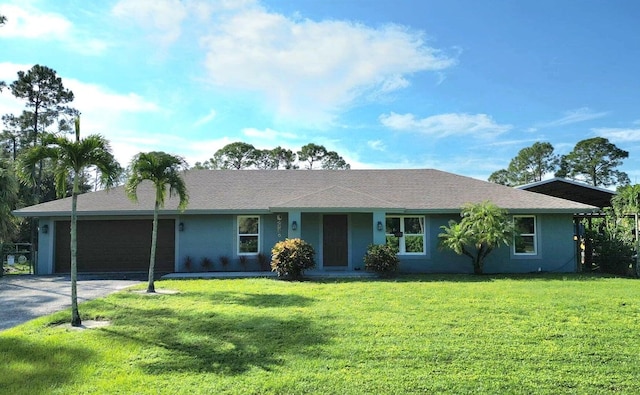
{"x": 72, "y": 157}
{"x": 483, "y": 228}
{"x": 163, "y": 170}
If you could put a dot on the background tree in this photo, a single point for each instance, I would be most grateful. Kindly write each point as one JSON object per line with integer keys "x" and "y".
{"x": 3, "y": 20}
{"x": 502, "y": 177}
{"x": 311, "y": 153}
{"x": 72, "y": 157}
{"x": 483, "y": 228}
{"x": 265, "y": 159}
{"x": 627, "y": 203}
{"x": 594, "y": 161}
{"x": 46, "y": 100}
{"x": 333, "y": 161}
{"x": 8, "y": 201}
{"x": 164, "y": 171}
{"x": 236, "y": 155}
{"x": 530, "y": 165}
{"x": 286, "y": 158}
{"x": 240, "y": 155}
{"x": 46, "y": 105}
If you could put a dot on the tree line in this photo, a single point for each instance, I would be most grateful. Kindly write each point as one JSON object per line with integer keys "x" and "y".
{"x": 594, "y": 161}
{"x": 240, "y": 155}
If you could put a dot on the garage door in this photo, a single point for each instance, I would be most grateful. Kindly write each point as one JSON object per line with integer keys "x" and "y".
{"x": 115, "y": 246}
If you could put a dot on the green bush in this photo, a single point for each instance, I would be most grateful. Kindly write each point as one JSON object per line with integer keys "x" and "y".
{"x": 612, "y": 254}
{"x": 291, "y": 257}
{"x": 382, "y": 259}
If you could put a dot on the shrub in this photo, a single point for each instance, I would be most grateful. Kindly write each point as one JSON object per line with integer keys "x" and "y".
{"x": 612, "y": 254}
{"x": 243, "y": 260}
{"x": 224, "y": 261}
{"x": 188, "y": 263}
{"x": 382, "y": 259}
{"x": 291, "y": 257}
{"x": 206, "y": 263}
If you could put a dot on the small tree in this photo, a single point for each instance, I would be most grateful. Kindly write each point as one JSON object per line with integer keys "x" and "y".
{"x": 291, "y": 257}
{"x": 163, "y": 170}
{"x": 72, "y": 157}
{"x": 382, "y": 259}
{"x": 483, "y": 228}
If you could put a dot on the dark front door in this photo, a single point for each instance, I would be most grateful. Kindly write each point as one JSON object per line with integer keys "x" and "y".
{"x": 335, "y": 241}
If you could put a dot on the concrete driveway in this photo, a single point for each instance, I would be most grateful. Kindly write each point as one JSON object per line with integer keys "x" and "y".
{"x": 23, "y": 298}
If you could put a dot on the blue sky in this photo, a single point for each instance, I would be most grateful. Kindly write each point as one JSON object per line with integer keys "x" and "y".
{"x": 456, "y": 85}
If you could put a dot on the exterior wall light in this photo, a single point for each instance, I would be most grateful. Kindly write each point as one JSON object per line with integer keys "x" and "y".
{"x": 380, "y": 225}
{"x": 294, "y": 225}
{"x": 181, "y": 226}
{"x": 45, "y": 229}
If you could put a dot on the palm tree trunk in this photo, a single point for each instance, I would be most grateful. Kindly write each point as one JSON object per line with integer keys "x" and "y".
{"x": 154, "y": 239}
{"x": 75, "y": 314}
{"x": 477, "y": 261}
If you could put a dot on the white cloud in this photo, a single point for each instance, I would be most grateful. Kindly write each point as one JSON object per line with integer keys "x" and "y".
{"x": 267, "y": 134}
{"x": 309, "y": 71}
{"x": 206, "y": 119}
{"x": 109, "y": 113}
{"x": 91, "y": 97}
{"x": 619, "y": 134}
{"x": 443, "y": 125}
{"x": 574, "y": 116}
{"x": 376, "y": 145}
{"x": 28, "y": 22}
{"x": 33, "y": 24}
{"x": 163, "y": 18}
{"x": 8, "y": 73}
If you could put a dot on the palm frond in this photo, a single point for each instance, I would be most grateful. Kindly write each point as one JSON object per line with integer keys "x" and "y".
{"x": 164, "y": 171}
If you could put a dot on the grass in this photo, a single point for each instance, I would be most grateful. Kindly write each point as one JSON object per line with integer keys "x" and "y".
{"x": 424, "y": 334}
{"x": 17, "y": 268}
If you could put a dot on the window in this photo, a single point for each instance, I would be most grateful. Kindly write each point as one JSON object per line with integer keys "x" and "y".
{"x": 525, "y": 241}
{"x": 248, "y": 235}
{"x": 407, "y": 234}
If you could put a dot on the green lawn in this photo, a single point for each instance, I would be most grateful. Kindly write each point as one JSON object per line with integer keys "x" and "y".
{"x": 420, "y": 334}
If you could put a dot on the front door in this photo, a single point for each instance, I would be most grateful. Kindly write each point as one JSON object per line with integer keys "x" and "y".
{"x": 335, "y": 250}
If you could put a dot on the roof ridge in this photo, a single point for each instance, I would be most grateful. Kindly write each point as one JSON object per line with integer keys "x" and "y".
{"x": 319, "y": 191}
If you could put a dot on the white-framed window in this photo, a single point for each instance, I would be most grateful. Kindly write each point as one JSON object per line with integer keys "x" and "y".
{"x": 525, "y": 242}
{"x": 407, "y": 234}
{"x": 248, "y": 234}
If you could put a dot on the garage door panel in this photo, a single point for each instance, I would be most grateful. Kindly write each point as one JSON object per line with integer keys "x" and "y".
{"x": 115, "y": 246}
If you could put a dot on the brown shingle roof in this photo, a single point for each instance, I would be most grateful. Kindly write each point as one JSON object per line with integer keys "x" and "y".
{"x": 257, "y": 191}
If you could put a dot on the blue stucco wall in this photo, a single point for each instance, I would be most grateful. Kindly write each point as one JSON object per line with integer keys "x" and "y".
{"x": 46, "y": 247}
{"x": 213, "y": 236}
{"x": 556, "y": 251}
{"x": 361, "y": 229}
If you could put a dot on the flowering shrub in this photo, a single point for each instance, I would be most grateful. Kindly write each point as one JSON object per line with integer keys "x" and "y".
{"x": 382, "y": 259}
{"x": 291, "y": 257}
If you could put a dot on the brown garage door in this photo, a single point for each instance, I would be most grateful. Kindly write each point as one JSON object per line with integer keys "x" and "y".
{"x": 115, "y": 246}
